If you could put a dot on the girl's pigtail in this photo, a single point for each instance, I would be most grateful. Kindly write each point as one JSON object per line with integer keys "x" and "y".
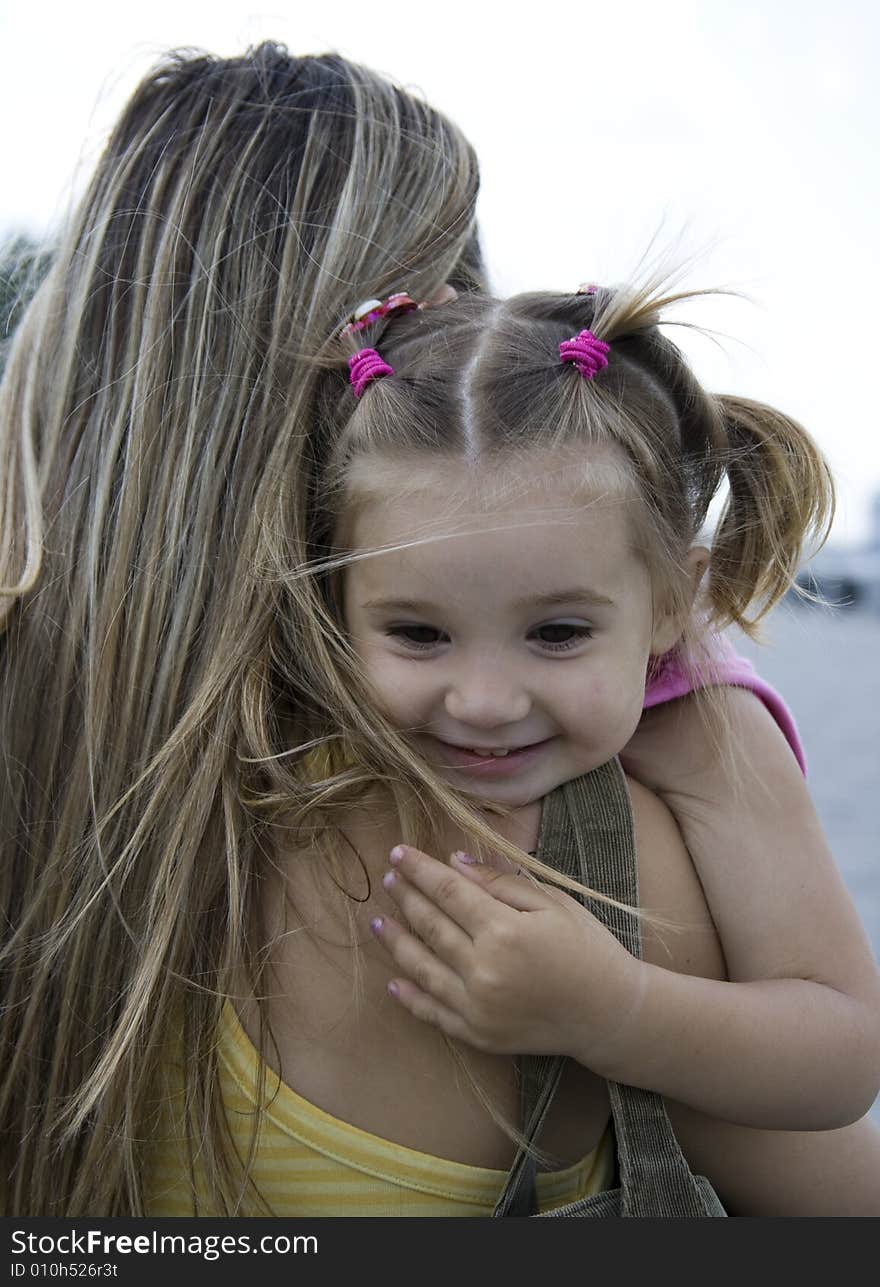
{"x": 781, "y": 494}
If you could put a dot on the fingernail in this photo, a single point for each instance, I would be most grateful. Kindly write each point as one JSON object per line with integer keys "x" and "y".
{"x": 465, "y": 858}
{"x": 389, "y": 878}
{"x": 377, "y": 923}
{"x": 396, "y": 854}
{"x": 394, "y": 989}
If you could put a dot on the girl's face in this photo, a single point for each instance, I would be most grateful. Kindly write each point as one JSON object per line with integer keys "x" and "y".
{"x": 526, "y": 628}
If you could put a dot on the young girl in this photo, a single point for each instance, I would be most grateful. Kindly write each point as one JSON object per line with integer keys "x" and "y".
{"x": 211, "y": 737}
{"x": 537, "y": 481}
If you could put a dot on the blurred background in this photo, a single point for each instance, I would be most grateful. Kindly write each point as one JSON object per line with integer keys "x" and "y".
{"x": 740, "y": 140}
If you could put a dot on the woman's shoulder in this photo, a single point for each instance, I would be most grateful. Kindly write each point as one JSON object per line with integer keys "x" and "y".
{"x": 684, "y": 937}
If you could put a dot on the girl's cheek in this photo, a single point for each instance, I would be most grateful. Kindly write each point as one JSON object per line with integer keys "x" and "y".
{"x": 615, "y": 703}
{"x": 400, "y": 695}
{"x": 602, "y": 693}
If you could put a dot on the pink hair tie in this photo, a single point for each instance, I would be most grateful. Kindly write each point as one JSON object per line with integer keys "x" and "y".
{"x": 372, "y": 310}
{"x": 589, "y": 354}
{"x": 366, "y": 365}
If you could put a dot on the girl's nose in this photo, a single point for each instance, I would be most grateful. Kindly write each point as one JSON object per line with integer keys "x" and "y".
{"x": 486, "y": 702}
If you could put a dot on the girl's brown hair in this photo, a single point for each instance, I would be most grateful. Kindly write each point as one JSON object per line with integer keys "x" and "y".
{"x": 482, "y": 379}
{"x": 157, "y": 454}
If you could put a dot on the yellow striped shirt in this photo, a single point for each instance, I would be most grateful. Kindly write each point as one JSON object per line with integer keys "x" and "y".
{"x": 311, "y": 1164}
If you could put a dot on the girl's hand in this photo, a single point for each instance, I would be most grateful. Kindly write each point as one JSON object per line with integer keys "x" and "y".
{"x": 505, "y": 965}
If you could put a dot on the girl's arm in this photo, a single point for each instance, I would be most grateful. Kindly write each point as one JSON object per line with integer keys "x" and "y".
{"x": 754, "y": 1172}
{"x": 784, "y": 1173}
{"x": 797, "y": 1028}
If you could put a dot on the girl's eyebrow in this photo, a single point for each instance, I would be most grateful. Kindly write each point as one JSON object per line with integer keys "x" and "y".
{"x": 578, "y": 594}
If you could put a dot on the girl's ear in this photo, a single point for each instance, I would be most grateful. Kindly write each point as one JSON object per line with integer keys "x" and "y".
{"x": 669, "y": 622}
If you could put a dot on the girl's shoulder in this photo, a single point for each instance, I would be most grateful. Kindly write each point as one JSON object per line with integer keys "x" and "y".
{"x": 684, "y": 937}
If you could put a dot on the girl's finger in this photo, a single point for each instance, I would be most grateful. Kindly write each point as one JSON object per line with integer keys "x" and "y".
{"x": 421, "y": 1005}
{"x": 426, "y": 973}
{"x": 439, "y": 933}
{"x": 461, "y": 899}
{"x": 514, "y": 890}
{"x": 470, "y": 900}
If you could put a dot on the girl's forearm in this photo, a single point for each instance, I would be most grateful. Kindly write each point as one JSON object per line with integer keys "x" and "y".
{"x": 777, "y": 1054}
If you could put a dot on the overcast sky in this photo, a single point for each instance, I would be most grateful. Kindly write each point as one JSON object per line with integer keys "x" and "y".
{"x": 745, "y": 133}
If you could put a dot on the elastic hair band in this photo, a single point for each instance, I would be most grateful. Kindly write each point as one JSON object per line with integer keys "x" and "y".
{"x": 372, "y": 310}
{"x": 365, "y": 366}
{"x": 589, "y": 354}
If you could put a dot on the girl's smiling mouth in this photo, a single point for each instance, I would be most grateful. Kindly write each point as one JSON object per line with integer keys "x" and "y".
{"x": 497, "y": 763}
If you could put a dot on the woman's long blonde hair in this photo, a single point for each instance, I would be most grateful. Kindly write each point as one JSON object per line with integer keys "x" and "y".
{"x": 158, "y": 464}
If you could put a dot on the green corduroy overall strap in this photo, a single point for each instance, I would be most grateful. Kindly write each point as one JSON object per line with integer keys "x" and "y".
{"x": 587, "y": 832}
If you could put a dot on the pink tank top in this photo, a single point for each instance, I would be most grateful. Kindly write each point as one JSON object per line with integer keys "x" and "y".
{"x": 668, "y": 680}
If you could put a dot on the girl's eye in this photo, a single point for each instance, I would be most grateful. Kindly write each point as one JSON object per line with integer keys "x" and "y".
{"x": 415, "y": 637}
{"x": 562, "y": 635}
{"x": 557, "y": 637}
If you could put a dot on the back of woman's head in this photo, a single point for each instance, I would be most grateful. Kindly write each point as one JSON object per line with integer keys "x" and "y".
{"x": 155, "y": 421}
{"x": 240, "y": 209}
